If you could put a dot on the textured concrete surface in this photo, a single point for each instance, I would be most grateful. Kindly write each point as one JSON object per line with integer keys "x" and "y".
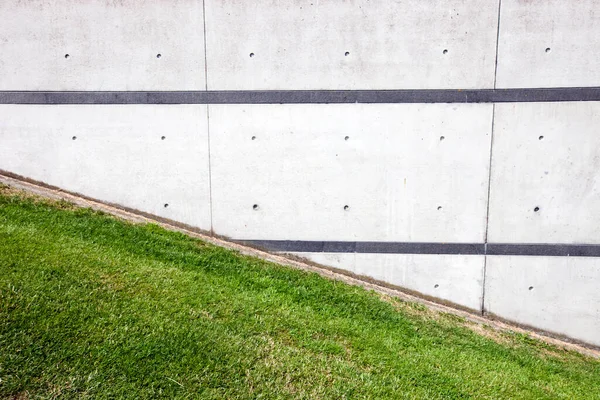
{"x": 102, "y": 45}
{"x": 549, "y": 43}
{"x": 545, "y": 184}
{"x": 306, "y": 44}
{"x": 557, "y": 294}
{"x": 115, "y": 154}
{"x": 454, "y": 278}
{"x": 403, "y": 172}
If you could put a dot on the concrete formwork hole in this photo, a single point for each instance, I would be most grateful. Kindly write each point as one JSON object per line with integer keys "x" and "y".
{"x": 163, "y": 137}
{"x": 158, "y": 55}
{"x": 251, "y": 55}
{"x": 166, "y": 205}
{"x": 530, "y": 287}
{"x": 67, "y": 56}
{"x": 253, "y": 137}
{"x": 346, "y": 207}
{"x": 541, "y": 137}
{"x": 547, "y": 49}
{"x": 436, "y": 286}
{"x": 445, "y": 51}
{"x": 255, "y": 207}
{"x": 74, "y": 138}
{"x": 347, "y": 137}
{"x": 536, "y": 209}
{"x": 346, "y": 54}
{"x": 442, "y": 138}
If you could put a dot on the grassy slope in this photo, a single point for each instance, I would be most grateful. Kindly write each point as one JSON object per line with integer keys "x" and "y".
{"x": 93, "y": 306}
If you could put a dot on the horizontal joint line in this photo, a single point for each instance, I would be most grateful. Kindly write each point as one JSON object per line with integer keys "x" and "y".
{"x": 439, "y": 248}
{"x": 304, "y": 96}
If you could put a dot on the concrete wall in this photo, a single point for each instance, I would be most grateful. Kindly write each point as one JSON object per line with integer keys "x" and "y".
{"x": 427, "y": 185}
{"x": 153, "y": 158}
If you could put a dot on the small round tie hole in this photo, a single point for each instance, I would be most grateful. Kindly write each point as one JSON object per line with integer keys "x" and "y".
{"x": 439, "y": 208}
{"x": 253, "y": 137}
{"x": 445, "y": 51}
{"x": 347, "y": 53}
{"x": 547, "y": 49}
{"x": 540, "y": 138}
{"x": 255, "y": 207}
{"x": 347, "y": 137}
{"x": 442, "y": 138}
{"x": 166, "y": 205}
{"x": 251, "y": 55}
{"x": 346, "y": 208}
{"x": 163, "y": 137}
{"x": 530, "y": 287}
{"x": 536, "y": 209}
{"x": 158, "y": 55}
{"x": 67, "y": 56}
{"x": 74, "y": 138}
{"x": 436, "y": 286}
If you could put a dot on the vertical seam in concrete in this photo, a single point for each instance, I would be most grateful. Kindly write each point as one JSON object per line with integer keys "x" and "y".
{"x": 205, "y": 51}
{"x": 487, "y": 215}
{"x": 210, "y": 200}
{"x": 497, "y": 43}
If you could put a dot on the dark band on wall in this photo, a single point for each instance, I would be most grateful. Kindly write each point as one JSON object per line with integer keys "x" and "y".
{"x": 553, "y": 250}
{"x": 307, "y": 246}
{"x": 505, "y": 249}
{"x": 305, "y": 96}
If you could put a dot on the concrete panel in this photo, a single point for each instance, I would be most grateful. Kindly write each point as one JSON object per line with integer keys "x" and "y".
{"x": 386, "y": 172}
{"x": 545, "y": 183}
{"x": 549, "y": 43}
{"x": 457, "y": 279}
{"x": 556, "y": 294}
{"x": 111, "y": 45}
{"x": 357, "y": 44}
{"x": 115, "y": 154}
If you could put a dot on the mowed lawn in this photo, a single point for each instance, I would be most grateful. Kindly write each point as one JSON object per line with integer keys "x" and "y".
{"x": 95, "y": 307}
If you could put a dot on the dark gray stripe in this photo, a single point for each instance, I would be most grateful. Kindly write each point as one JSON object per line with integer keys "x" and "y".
{"x": 419, "y": 248}
{"x": 305, "y": 96}
{"x": 555, "y": 250}
{"x": 308, "y": 246}
{"x": 303, "y": 246}
{"x": 507, "y": 249}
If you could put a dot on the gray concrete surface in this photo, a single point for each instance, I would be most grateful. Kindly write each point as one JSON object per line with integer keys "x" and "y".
{"x": 115, "y": 154}
{"x": 306, "y": 44}
{"x": 549, "y": 43}
{"x": 388, "y": 164}
{"x": 557, "y": 294}
{"x": 454, "y": 278}
{"x": 101, "y": 45}
{"x": 406, "y": 173}
{"x": 546, "y": 157}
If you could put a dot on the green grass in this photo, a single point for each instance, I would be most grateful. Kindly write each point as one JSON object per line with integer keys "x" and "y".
{"x": 92, "y": 306}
